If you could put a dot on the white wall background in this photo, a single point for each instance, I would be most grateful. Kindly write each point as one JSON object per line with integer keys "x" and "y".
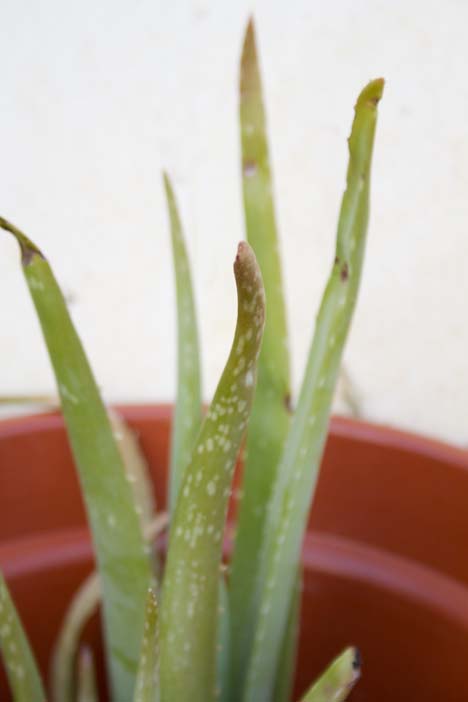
{"x": 97, "y": 97}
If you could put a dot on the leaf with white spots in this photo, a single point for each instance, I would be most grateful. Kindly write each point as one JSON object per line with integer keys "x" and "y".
{"x": 189, "y": 611}
{"x": 86, "y": 677}
{"x": 122, "y": 554}
{"x": 289, "y": 507}
{"x": 147, "y": 683}
{"x": 20, "y": 665}
{"x": 335, "y": 684}
{"x": 188, "y": 407}
{"x": 270, "y": 416}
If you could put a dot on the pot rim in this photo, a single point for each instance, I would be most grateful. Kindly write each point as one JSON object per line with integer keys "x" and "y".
{"x": 340, "y": 425}
{"x": 337, "y": 556}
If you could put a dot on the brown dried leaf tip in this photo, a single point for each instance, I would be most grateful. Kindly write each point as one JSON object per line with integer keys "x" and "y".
{"x": 28, "y": 249}
{"x": 250, "y": 284}
{"x": 249, "y": 70}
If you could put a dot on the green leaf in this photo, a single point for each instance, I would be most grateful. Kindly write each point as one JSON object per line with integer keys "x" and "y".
{"x": 86, "y": 677}
{"x": 136, "y": 468}
{"x": 188, "y": 408}
{"x": 189, "y": 612}
{"x": 138, "y": 475}
{"x": 335, "y": 684}
{"x": 223, "y": 659}
{"x": 121, "y": 552}
{"x": 20, "y": 665}
{"x": 298, "y": 473}
{"x": 42, "y": 400}
{"x": 187, "y": 412}
{"x": 287, "y": 662}
{"x": 81, "y": 608}
{"x": 269, "y": 421}
{"x": 147, "y": 684}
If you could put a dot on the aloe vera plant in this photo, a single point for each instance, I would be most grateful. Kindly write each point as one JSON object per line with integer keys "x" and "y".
{"x": 192, "y": 631}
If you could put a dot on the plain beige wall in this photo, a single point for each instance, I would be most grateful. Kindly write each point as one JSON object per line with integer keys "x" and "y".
{"x": 98, "y": 97}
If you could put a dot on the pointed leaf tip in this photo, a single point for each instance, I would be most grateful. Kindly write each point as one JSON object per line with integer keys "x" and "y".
{"x": 337, "y": 681}
{"x": 249, "y": 74}
{"x": 357, "y": 660}
{"x": 243, "y": 251}
{"x": 249, "y": 282}
{"x": 246, "y": 261}
{"x": 166, "y": 181}
{"x": 371, "y": 94}
{"x": 28, "y": 249}
{"x": 250, "y": 31}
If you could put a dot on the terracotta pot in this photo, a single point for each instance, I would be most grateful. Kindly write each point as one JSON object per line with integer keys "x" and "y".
{"x": 384, "y": 557}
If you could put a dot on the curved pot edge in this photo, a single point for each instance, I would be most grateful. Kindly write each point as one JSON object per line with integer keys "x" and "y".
{"x": 346, "y": 427}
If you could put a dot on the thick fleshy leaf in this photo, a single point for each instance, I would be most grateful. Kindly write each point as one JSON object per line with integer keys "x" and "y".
{"x": 136, "y": 468}
{"x": 288, "y": 654}
{"x": 269, "y": 421}
{"x": 297, "y": 477}
{"x": 86, "y": 677}
{"x": 81, "y": 608}
{"x": 335, "y": 684}
{"x": 121, "y": 552}
{"x": 188, "y": 408}
{"x": 223, "y": 658}
{"x": 147, "y": 684}
{"x": 189, "y": 611}
{"x": 20, "y": 664}
{"x": 138, "y": 475}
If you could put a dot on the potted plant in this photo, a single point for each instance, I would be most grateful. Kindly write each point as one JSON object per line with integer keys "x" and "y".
{"x": 230, "y": 637}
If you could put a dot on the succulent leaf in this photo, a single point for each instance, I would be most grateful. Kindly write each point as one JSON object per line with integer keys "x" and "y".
{"x": 136, "y": 468}
{"x": 189, "y": 611}
{"x": 298, "y": 472}
{"x": 86, "y": 677}
{"x": 288, "y": 654}
{"x": 147, "y": 684}
{"x": 20, "y": 664}
{"x": 188, "y": 407}
{"x": 335, "y": 684}
{"x": 269, "y": 421}
{"x": 121, "y": 552}
{"x": 223, "y": 658}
